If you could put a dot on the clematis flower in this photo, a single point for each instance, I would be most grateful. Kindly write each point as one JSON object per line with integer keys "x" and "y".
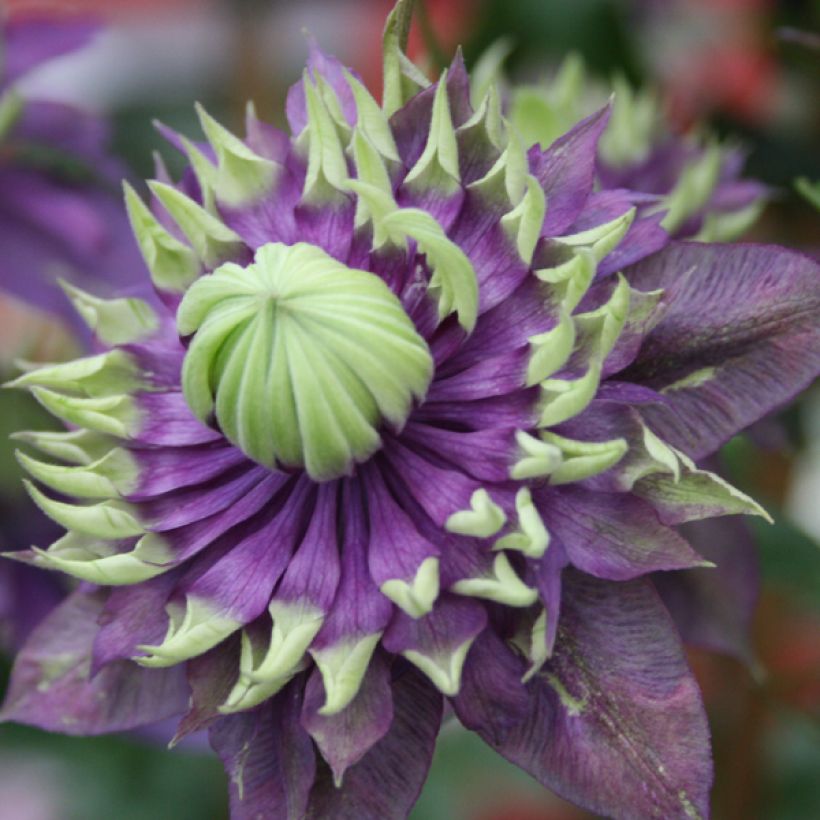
{"x": 415, "y": 423}
{"x": 696, "y": 180}
{"x": 59, "y": 213}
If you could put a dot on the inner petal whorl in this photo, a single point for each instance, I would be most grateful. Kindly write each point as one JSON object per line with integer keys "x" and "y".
{"x": 299, "y": 359}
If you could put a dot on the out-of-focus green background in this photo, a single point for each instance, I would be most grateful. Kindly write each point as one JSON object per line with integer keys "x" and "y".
{"x": 745, "y": 66}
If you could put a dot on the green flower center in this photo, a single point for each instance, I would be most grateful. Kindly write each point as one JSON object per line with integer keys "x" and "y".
{"x": 300, "y": 359}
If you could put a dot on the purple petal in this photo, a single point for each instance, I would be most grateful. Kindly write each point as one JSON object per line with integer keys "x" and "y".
{"x": 51, "y": 687}
{"x": 359, "y": 608}
{"x": 492, "y": 699}
{"x": 385, "y": 783}
{"x": 566, "y": 171}
{"x": 132, "y": 615}
{"x": 613, "y": 536}
{"x": 269, "y": 759}
{"x": 31, "y": 42}
{"x": 740, "y": 338}
{"x": 211, "y": 677}
{"x": 396, "y": 548}
{"x": 713, "y": 608}
{"x": 616, "y": 722}
{"x": 344, "y": 738}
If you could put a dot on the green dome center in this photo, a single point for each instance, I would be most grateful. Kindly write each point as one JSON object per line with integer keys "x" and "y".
{"x": 300, "y": 359}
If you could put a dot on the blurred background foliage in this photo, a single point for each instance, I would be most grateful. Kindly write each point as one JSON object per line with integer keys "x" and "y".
{"x": 750, "y": 68}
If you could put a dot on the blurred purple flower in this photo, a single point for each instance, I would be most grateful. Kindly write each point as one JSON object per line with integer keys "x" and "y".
{"x": 60, "y": 209}
{"x": 401, "y": 430}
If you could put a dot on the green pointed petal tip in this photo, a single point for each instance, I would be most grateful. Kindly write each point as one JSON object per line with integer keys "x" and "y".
{"x": 200, "y": 628}
{"x": 454, "y": 283}
{"x": 443, "y": 667}
{"x": 116, "y": 415}
{"x": 525, "y": 221}
{"x": 113, "y": 321}
{"x": 327, "y": 173}
{"x": 110, "y": 520}
{"x": 92, "y": 560}
{"x": 417, "y": 596}
{"x": 295, "y": 625}
{"x": 437, "y": 168}
{"x": 11, "y": 108}
{"x": 242, "y": 176}
{"x": 583, "y": 459}
{"x": 105, "y": 374}
{"x": 212, "y": 240}
{"x": 172, "y": 264}
{"x": 484, "y": 518}
{"x": 531, "y": 538}
{"x": 501, "y": 584}
{"x": 301, "y": 359}
{"x": 76, "y": 447}
{"x": 112, "y": 476}
{"x": 343, "y": 667}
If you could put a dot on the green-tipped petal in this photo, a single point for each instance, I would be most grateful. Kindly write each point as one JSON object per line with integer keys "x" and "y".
{"x": 453, "y": 283}
{"x": 583, "y": 459}
{"x": 571, "y": 280}
{"x": 242, "y": 176}
{"x": 602, "y": 239}
{"x": 106, "y": 374}
{"x": 417, "y": 597}
{"x": 93, "y": 561}
{"x": 115, "y": 415}
{"x": 562, "y": 399}
{"x": 371, "y": 120}
{"x": 525, "y": 221}
{"x": 113, "y": 321}
{"x": 112, "y": 476}
{"x": 327, "y": 173}
{"x": 693, "y": 189}
{"x": 501, "y": 585}
{"x": 110, "y": 520}
{"x": 538, "y": 458}
{"x": 200, "y": 628}
{"x": 536, "y": 651}
{"x": 80, "y": 447}
{"x": 172, "y": 264}
{"x": 295, "y": 625}
{"x": 443, "y": 667}
{"x": 437, "y": 167}
{"x": 343, "y": 666}
{"x": 532, "y": 537}
{"x": 213, "y": 241}
{"x": 484, "y": 518}
{"x": 550, "y": 351}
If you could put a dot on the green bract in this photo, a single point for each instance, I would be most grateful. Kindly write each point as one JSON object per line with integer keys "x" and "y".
{"x": 299, "y": 359}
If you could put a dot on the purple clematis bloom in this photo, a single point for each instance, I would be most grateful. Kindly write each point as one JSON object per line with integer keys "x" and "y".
{"x": 693, "y": 183}
{"x": 415, "y": 423}
{"x": 59, "y": 212}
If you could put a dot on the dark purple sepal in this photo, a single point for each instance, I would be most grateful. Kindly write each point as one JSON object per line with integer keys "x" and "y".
{"x": 132, "y": 615}
{"x": 713, "y": 608}
{"x": 51, "y": 686}
{"x": 345, "y": 737}
{"x": 566, "y": 171}
{"x": 211, "y": 677}
{"x": 741, "y": 337}
{"x": 613, "y": 535}
{"x": 616, "y": 723}
{"x": 268, "y": 757}
{"x": 492, "y": 699}
{"x": 386, "y": 782}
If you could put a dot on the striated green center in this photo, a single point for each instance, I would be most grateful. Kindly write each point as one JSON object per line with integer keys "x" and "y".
{"x": 300, "y": 359}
